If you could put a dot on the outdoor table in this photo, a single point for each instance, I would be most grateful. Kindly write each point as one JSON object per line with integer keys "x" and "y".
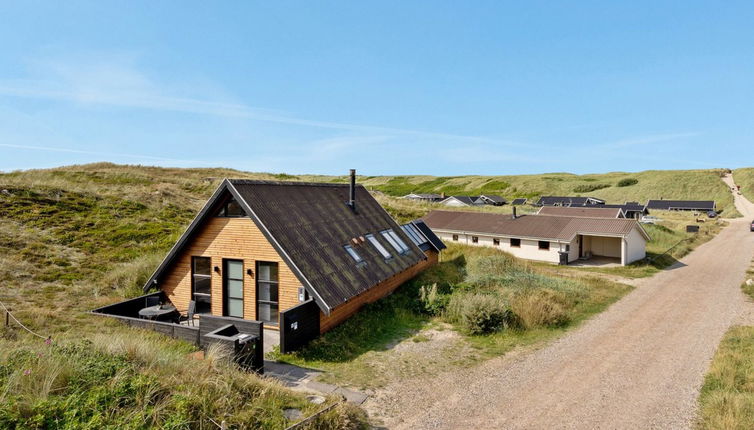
{"x": 157, "y": 312}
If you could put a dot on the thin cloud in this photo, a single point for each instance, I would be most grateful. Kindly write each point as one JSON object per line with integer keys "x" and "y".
{"x": 653, "y": 138}
{"x": 103, "y": 154}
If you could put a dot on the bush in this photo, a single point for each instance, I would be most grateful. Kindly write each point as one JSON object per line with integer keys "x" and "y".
{"x": 433, "y": 302}
{"x": 540, "y": 308}
{"x": 586, "y": 188}
{"x": 627, "y": 182}
{"x": 487, "y": 271}
{"x": 479, "y": 313}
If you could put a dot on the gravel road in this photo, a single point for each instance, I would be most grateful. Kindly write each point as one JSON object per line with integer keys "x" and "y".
{"x": 639, "y": 364}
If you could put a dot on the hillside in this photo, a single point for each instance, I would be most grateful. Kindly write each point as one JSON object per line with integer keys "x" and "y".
{"x": 745, "y": 178}
{"x": 670, "y": 184}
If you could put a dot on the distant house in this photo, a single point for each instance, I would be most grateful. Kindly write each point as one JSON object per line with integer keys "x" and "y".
{"x": 630, "y": 209}
{"x": 424, "y": 197}
{"x": 682, "y": 205}
{"x": 554, "y": 239}
{"x": 582, "y": 211}
{"x": 489, "y": 199}
{"x": 259, "y": 249}
{"x": 518, "y": 202}
{"x": 461, "y": 201}
{"x": 568, "y": 201}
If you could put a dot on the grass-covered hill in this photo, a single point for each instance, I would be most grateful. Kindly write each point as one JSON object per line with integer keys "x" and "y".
{"x": 613, "y": 187}
{"x": 745, "y": 178}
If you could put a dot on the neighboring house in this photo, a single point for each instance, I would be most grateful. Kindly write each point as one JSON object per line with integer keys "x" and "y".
{"x": 518, "y": 202}
{"x": 554, "y": 239}
{"x": 630, "y": 209}
{"x": 261, "y": 248}
{"x": 582, "y": 211}
{"x": 424, "y": 197}
{"x": 682, "y": 205}
{"x": 488, "y": 199}
{"x": 568, "y": 201}
{"x": 461, "y": 201}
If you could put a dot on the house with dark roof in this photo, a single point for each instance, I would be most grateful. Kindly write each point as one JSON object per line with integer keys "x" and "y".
{"x": 259, "y": 250}
{"x": 490, "y": 199}
{"x": 630, "y": 209}
{"x": 568, "y": 201}
{"x": 682, "y": 205}
{"x": 518, "y": 202}
{"x": 548, "y": 238}
{"x": 461, "y": 201}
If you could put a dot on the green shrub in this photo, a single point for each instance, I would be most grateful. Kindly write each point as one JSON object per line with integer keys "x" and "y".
{"x": 586, "y": 188}
{"x": 479, "y": 313}
{"x": 627, "y": 182}
{"x": 433, "y": 302}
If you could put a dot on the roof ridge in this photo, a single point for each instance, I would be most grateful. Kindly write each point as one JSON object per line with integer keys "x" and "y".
{"x": 304, "y": 183}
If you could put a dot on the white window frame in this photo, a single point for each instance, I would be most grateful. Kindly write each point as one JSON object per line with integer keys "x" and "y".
{"x": 381, "y": 249}
{"x": 352, "y": 252}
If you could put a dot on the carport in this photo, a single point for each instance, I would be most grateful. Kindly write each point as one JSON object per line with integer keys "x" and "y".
{"x": 607, "y": 248}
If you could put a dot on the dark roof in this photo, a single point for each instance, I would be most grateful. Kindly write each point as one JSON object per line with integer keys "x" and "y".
{"x": 309, "y": 224}
{"x": 519, "y": 202}
{"x": 699, "y": 205}
{"x": 530, "y": 226}
{"x": 628, "y": 207}
{"x": 595, "y": 211}
{"x": 423, "y": 236}
{"x": 568, "y": 201}
{"x": 493, "y": 198}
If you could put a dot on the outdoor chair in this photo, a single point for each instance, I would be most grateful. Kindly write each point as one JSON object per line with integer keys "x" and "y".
{"x": 191, "y": 313}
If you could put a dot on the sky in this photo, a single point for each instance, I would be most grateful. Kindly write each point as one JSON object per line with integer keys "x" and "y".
{"x": 386, "y": 87}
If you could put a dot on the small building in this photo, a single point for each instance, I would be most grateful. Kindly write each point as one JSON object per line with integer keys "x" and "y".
{"x": 489, "y": 199}
{"x": 519, "y": 202}
{"x": 430, "y": 198}
{"x": 682, "y": 205}
{"x": 582, "y": 211}
{"x": 554, "y": 239}
{"x": 461, "y": 201}
{"x": 630, "y": 209}
{"x": 260, "y": 250}
{"x": 568, "y": 201}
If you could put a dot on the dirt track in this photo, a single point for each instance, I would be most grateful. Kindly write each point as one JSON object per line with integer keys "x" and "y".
{"x": 639, "y": 364}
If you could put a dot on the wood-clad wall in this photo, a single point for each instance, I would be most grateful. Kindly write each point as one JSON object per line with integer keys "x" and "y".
{"x": 342, "y": 312}
{"x": 230, "y": 238}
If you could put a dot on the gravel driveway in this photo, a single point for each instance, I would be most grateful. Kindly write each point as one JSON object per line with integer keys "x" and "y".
{"x": 639, "y": 364}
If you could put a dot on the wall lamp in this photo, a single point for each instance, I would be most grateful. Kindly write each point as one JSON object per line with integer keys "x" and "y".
{"x": 217, "y": 269}
{"x": 250, "y": 272}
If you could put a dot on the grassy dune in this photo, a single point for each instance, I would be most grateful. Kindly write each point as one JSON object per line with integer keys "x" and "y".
{"x": 745, "y": 178}
{"x": 668, "y": 184}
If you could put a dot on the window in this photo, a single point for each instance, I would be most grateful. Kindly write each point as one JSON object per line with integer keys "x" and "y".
{"x": 267, "y": 292}
{"x": 352, "y": 252}
{"x": 395, "y": 241}
{"x": 413, "y": 233}
{"x": 201, "y": 284}
{"x": 233, "y": 288}
{"x": 231, "y": 209}
{"x": 474, "y": 239}
{"x": 515, "y": 243}
{"x": 568, "y": 248}
{"x": 496, "y": 242}
{"x": 544, "y": 245}
{"x": 381, "y": 249}
{"x": 455, "y": 237}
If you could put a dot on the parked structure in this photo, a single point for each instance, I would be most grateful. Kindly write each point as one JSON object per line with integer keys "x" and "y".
{"x": 299, "y": 257}
{"x": 568, "y": 201}
{"x": 582, "y": 211}
{"x": 430, "y": 198}
{"x": 554, "y": 239}
{"x": 682, "y": 205}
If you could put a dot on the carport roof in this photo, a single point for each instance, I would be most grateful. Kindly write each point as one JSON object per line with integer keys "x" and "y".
{"x": 549, "y": 227}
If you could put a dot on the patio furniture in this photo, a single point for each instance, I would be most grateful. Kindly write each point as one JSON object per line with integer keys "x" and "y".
{"x": 158, "y": 312}
{"x": 152, "y": 301}
{"x": 190, "y": 313}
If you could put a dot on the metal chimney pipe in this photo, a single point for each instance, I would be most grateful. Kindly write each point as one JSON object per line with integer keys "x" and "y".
{"x": 352, "y": 191}
{"x": 514, "y": 212}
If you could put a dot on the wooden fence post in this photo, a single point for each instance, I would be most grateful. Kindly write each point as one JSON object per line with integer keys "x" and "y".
{"x": 7, "y": 318}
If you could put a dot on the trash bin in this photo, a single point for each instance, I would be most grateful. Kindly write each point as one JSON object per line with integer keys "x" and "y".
{"x": 563, "y": 258}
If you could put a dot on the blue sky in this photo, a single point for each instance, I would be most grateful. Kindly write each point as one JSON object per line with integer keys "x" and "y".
{"x": 419, "y": 87}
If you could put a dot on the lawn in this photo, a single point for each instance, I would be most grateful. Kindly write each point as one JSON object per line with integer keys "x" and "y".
{"x": 477, "y": 303}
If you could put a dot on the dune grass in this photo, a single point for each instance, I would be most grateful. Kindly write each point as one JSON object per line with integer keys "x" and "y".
{"x": 726, "y": 400}
{"x": 745, "y": 178}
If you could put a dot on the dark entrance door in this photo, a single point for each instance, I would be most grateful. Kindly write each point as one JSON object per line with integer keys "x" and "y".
{"x": 581, "y": 247}
{"x": 233, "y": 288}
